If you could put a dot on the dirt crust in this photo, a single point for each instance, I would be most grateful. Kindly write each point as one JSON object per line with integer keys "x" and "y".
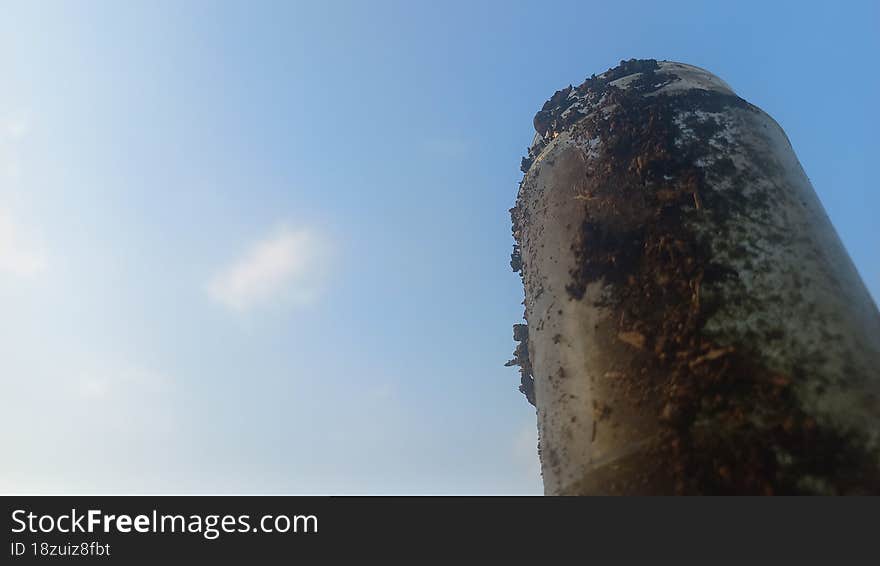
{"x": 729, "y": 425}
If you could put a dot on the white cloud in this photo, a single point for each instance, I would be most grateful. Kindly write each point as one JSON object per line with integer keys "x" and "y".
{"x": 288, "y": 265}
{"x": 18, "y": 256}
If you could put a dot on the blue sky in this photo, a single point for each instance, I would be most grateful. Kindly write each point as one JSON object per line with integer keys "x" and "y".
{"x": 263, "y": 247}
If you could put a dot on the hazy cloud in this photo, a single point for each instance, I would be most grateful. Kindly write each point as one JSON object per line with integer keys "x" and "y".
{"x": 16, "y": 126}
{"x": 18, "y": 255}
{"x": 13, "y": 128}
{"x": 112, "y": 383}
{"x": 525, "y": 452}
{"x": 289, "y": 265}
{"x": 450, "y": 147}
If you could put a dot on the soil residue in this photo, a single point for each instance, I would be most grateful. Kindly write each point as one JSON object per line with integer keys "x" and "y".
{"x": 521, "y": 359}
{"x": 728, "y": 425}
